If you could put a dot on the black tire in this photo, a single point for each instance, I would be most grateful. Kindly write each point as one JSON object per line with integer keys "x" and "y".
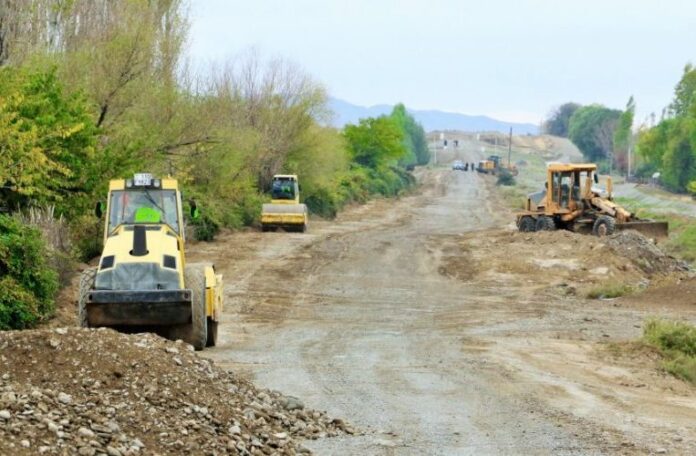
{"x": 527, "y": 224}
{"x": 196, "y": 333}
{"x": 212, "y": 333}
{"x": 86, "y": 285}
{"x": 545, "y": 223}
{"x": 605, "y": 225}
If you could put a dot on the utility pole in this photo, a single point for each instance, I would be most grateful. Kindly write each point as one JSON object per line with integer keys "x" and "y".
{"x": 510, "y": 149}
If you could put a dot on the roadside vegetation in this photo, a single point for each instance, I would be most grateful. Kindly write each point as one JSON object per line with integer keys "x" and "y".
{"x": 93, "y": 89}
{"x": 27, "y": 283}
{"x": 677, "y": 343}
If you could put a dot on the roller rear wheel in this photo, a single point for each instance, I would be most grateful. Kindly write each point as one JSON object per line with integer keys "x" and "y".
{"x": 86, "y": 285}
{"x": 197, "y": 332}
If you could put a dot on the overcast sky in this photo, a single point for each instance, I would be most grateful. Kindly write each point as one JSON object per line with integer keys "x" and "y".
{"x": 510, "y": 59}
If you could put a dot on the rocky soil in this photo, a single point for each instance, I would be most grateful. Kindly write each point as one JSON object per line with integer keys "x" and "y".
{"x": 88, "y": 392}
{"x": 561, "y": 261}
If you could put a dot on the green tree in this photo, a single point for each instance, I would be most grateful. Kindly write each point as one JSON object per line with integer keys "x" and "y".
{"x": 591, "y": 128}
{"x": 47, "y": 140}
{"x": 557, "y": 123}
{"x": 415, "y": 141}
{"x": 684, "y": 92}
{"x": 670, "y": 146}
{"x": 375, "y": 142}
{"x": 679, "y": 161}
{"x": 652, "y": 145}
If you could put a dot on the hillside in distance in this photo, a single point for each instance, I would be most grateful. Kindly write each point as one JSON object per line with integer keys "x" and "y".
{"x": 345, "y": 112}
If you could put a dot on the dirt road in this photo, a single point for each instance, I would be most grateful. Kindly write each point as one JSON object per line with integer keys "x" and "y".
{"x": 382, "y": 318}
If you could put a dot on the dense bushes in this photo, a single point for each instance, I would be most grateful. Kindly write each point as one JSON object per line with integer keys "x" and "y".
{"x": 27, "y": 284}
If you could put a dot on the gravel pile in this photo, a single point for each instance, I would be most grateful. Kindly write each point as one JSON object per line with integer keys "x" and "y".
{"x": 88, "y": 392}
{"x": 644, "y": 253}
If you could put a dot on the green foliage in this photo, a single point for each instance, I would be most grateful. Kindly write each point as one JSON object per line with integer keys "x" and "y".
{"x": 609, "y": 291}
{"x": 414, "y": 141}
{"x": 558, "y": 122}
{"x": 47, "y": 141}
{"x": 323, "y": 202}
{"x": 505, "y": 178}
{"x": 684, "y": 92}
{"x": 591, "y": 128}
{"x": 670, "y": 147}
{"x": 205, "y": 228}
{"x": 27, "y": 285}
{"x": 87, "y": 232}
{"x": 677, "y": 342}
{"x": 375, "y": 142}
{"x": 679, "y": 160}
{"x": 691, "y": 188}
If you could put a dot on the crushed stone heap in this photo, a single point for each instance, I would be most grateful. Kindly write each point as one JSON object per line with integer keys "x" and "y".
{"x": 85, "y": 391}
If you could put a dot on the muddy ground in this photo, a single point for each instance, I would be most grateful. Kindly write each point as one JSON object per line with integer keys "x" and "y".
{"x": 432, "y": 327}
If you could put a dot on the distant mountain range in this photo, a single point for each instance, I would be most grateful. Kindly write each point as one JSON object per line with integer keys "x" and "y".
{"x": 431, "y": 120}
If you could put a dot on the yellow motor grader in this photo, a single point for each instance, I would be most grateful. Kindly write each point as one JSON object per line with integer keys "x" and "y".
{"x": 143, "y": 282}
{"x": 486, "y": 167}
{"x": 572, "y": 200}
{"x": 285, "y": 210}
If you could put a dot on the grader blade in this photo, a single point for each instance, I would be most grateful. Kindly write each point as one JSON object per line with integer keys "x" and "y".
{"x": 649, "y": 228}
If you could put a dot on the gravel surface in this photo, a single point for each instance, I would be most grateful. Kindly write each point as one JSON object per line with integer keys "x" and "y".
{"x": 87, "y": 392}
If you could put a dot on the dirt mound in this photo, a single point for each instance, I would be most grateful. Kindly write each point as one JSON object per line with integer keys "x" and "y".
{"x": 82, "y": 391}
{"x": 575, "y": 263}
{"x": 643, "y": 253}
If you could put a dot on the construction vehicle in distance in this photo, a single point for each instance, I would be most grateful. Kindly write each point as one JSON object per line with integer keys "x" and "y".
{"x": 494, "y": 165}
{"x": 285, "y": 210}
{"x": 142, "y": 282}
{"x": 486, "y": 167}
{"x": 571, "y": 201}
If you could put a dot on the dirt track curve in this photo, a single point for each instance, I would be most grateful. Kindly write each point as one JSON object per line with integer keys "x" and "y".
{"x": 366, "y": 318}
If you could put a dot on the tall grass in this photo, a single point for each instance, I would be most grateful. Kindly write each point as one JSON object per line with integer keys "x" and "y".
{"x": 677, "y": 342}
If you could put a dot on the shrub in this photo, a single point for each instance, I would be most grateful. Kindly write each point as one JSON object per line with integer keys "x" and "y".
{"x": 608, "y": 291}
{"x": 205, "y": 227}
{"x": 56, "y": 234}
{"x": 28, "y": 285}
{"x": 323, "y": 202}
{"x": 87, "y": 237}
{"x": 677, "y": 342}
{"x": 505, "y": 178}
